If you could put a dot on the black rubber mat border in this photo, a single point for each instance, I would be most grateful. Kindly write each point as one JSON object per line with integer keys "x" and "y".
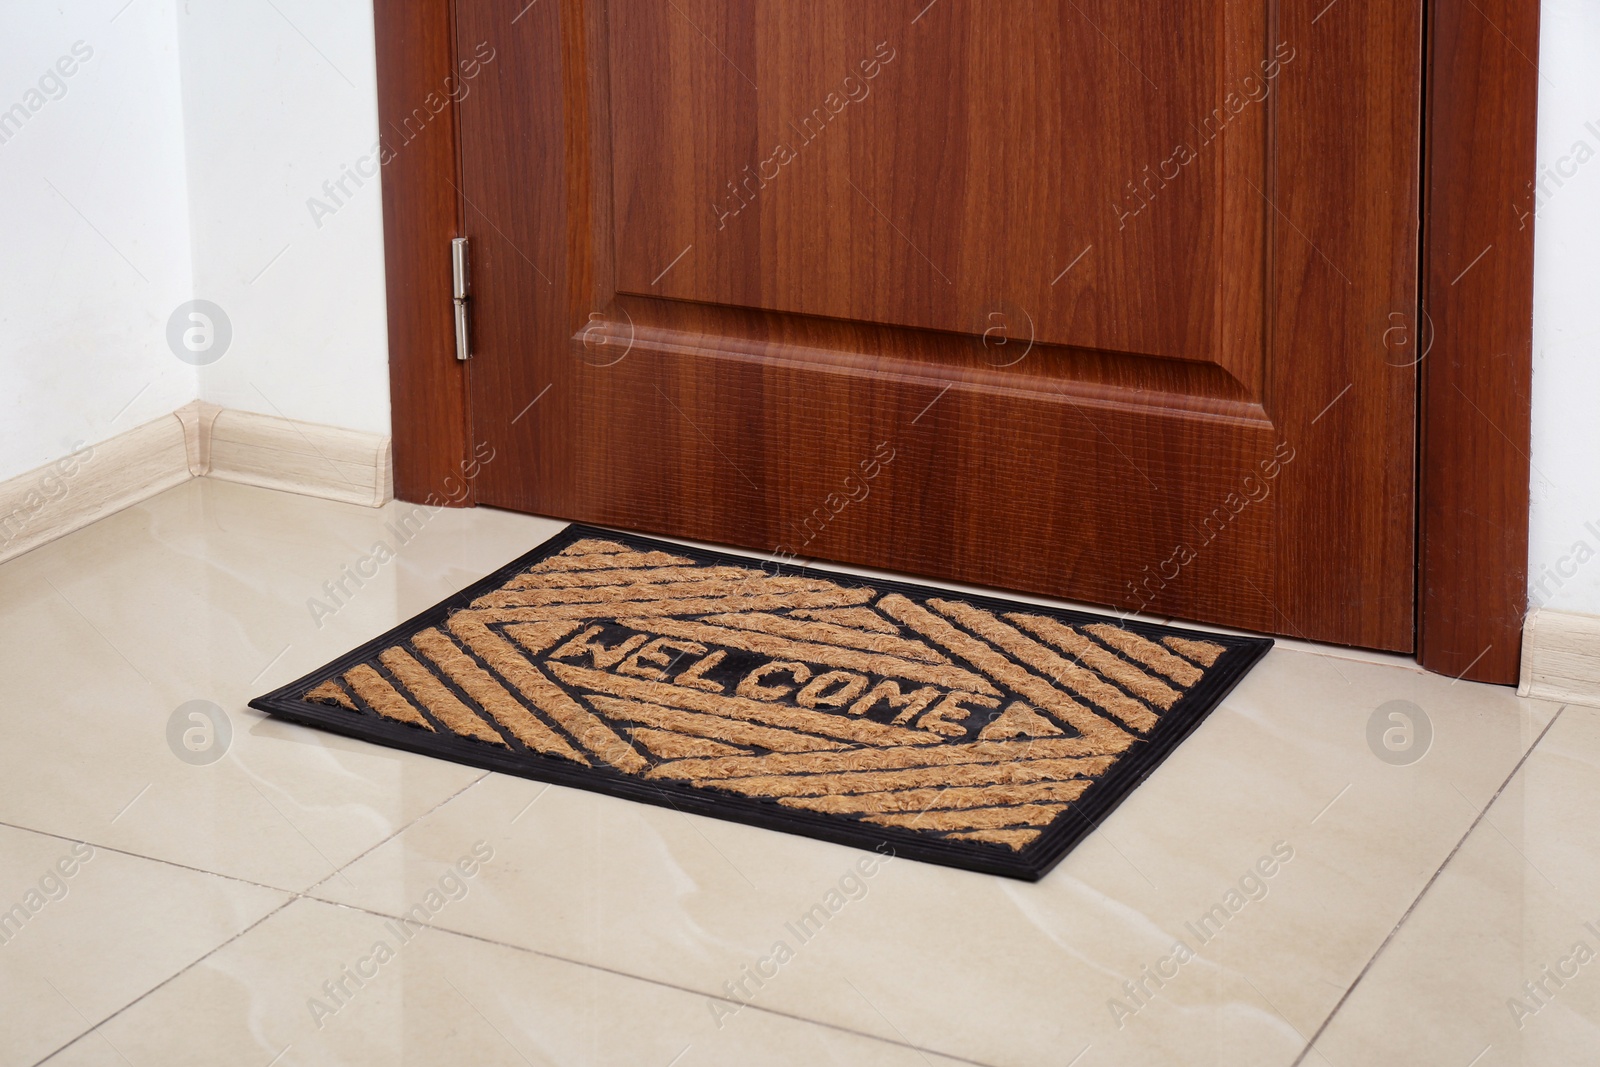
{"x": 1081, "y": 819}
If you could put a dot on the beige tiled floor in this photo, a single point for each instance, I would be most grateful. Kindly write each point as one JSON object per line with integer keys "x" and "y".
{"x": 1406, "y": 906}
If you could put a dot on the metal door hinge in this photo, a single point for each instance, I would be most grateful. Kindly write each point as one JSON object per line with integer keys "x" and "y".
{"x": 461, "y": 292}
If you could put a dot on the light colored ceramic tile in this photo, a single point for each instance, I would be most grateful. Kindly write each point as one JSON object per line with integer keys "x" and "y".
{"x": 1518, "y": 904}
{"x": 1359, "y": 655}
{"x": 438, "y": 998}
{"x": 204, "y": 593}
{"x": 1002, "y": 971}
{"x": 201, "y": 594}
{"x": 85, "y": 931}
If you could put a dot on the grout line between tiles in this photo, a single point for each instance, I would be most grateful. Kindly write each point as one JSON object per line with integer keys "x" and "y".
{"x": 354, "y": 859}
{"x": 1482, "y": 814}
{"x": 165, "y": 981}
{"x": 652, "y": 981}
{"x": 151, "y": 859}
{"x": 293, "y": 895}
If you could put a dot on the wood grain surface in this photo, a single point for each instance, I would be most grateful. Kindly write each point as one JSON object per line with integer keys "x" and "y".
{"x": 1208, "y": 422}
{"x": 1478, "y": 335}
{"x": 417, "y": 72}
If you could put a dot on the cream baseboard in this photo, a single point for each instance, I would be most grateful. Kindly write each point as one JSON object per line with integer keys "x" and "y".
{"x": 197, "y": 440}
{"x": 91, "y": 483}
{"x": 1561, "y": 657}
{"x": 295, "y": 457}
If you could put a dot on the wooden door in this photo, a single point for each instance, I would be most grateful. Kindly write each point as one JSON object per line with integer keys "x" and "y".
{"x": 1106, "y": 299}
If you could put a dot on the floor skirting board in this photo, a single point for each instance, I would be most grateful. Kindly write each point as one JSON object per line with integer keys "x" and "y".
{"x": 197, "y": 440}
{"x": 1561, "y": 657}
{"x": 297, "y": 457}
{"x": 89, "y": 483}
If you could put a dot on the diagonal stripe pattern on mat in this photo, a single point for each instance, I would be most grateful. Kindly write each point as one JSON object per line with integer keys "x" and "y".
{"x": 934, "y": 715}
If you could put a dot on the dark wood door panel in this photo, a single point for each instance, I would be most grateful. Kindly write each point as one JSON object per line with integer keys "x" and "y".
{"x": 921, "y": 181}
{"x": 1203, "y": 421}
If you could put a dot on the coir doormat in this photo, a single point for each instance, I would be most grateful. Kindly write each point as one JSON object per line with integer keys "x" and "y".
{"x": 962, "y": 730}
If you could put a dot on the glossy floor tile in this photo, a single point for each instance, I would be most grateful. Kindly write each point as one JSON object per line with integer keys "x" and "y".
{"x": 319, "y": 984}
{"x": 1220, "y": 915}
{"x": 85, "y": 931}
{"x": 1500, "y": 962}
{"x": 202, "y": 595}
{"x": 1277, "y": 799}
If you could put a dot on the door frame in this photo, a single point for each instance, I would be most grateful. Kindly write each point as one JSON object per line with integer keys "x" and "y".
{"x": 1472, "y": 336}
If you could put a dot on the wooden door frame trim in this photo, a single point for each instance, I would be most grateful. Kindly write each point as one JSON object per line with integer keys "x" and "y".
{"x": 419, "y": 148}
{"x": 1480, "y": 125}
{"x": 1474, "y": 327}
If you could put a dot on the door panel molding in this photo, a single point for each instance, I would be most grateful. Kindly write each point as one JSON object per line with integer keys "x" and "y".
{"x": 1471, "y": 574}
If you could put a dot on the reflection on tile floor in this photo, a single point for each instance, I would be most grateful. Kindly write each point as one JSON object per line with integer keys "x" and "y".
{"x": 317, "y": 983}
{"x": 1242, "y": 902}
{"x": 1501, "y": 959}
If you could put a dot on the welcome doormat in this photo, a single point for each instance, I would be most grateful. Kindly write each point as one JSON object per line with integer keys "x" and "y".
{"x": 963, "y": 730}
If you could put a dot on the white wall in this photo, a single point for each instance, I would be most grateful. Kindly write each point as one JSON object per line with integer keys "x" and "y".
{"x": 96, "y": 245}
{"x": 1564, "y": 556}
{"x": 176, "y": 162}
{"x": 277, "y": 99}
